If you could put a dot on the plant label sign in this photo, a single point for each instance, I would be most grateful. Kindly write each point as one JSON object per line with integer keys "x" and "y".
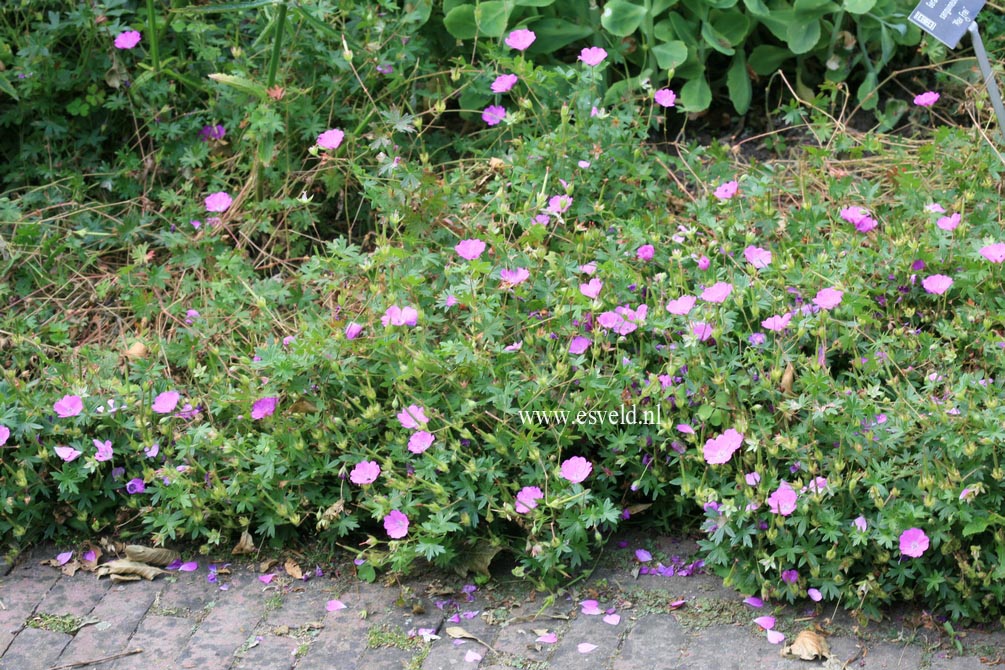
{"x": 946, "y": 20}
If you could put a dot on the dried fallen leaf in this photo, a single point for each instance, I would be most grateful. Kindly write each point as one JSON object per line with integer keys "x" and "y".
{"x": 787, "y": 378}
{"x": 267, "y": 565}
{"x": 245, "y": 546}
{"x": 136, "y": 351}
{"x": 458, "y": 632}
{"x": 127, "y": 567}
{"x": 293, "y": 569}
{"x": 807, "y": 646}
{"x": 150, "y": 555}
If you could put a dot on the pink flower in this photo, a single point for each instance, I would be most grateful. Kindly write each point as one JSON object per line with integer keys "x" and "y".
{"x": 166, "y": 402}
{"x": 527, "y": 498}
{"x": 854, "y": 214}
{"x": 399, "y": 316}
{"x": 994, "y": 252}
{"x": 579, "y": 345}
{"x": 413, "y": 417}
{"x": 331, "y": 139}
{"x": 588, "y": 268}
{"x": 514, "y": 277}
{"x": 701, "y": 330}
{"x": 396, "y": 524}
{"x": 470, "y": 249}
{"x": 926, "y": 99}
{"x": 665, "y": 97}
{"x": 576, "y": 469}
{"x": 790, "y": 576}
{"x": 104, "y": 450}
{"x": 127, "y": 39}
{"x": 353, "y": 330}
{"x": 504, "y": 82}
{"x": 66, "y": 453}
{"x": 264, "y": 407}
{"x": 645, "y": 252}
{"x": 684, "y": 428}
{"x": 758, "y": 257}
{"x": 765, "y": 622}
{"x": 719, "y": 449}
{"x": 860, "y": 523}
{"x": 783, "y": 500}
{"x": 520, "y": 39}
{"x": 335, "y": 606}
{"x": 717, "y": 292}
{"x": 774, "y": 637}
{"x": 828, "y": 298}
{"x": 4, "y": 435}
{"x": 494, "y": 114}
{"x": 704, "y": 263}
{"x": 557, "y": 204}
{"x": 592, "y": 288}
{"x": 937, "y": 284}
{"x": 815, "y": 595}
{"x": 365, "y": 472}
{"x": 682, "y": 305}
{"x": 420, "y": 441}
{"x": 752, "y": 478}
{"x": 727, "y": 190}
{"x": 68, "y": 405}
{"x": 218, "y": 202}
{"x": 592, "y": 56}
{"x": 777, "y": 323}
{"x": 913, "y": 542}
{"x": 935, "y": 208}
{"x": 623, "y": 320}
{"x": 948, "y": 222}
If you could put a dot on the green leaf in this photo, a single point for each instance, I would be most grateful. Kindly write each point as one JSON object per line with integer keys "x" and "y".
{"x": 859, "y": 6}
{"x": 491, "y": 17}
{"x": 553, "y": 34}
{"x": 660, "y": 6}
{"x": 242, "y": 84}
{"x": 715, "y": 39}
{"x": 978, "y": 525}
{"x": 802, "y": 37}
{"x": 738, "y": 83}
{"x": 226, "y": 7}
{"x": 460, "y": 22}
{"x": 622, "y": 18}
{"x": 732, "y": 25}
{"x": 670, "y": 54}
{"x": 534, "y": 3}
{"x": 757, "y": 8}
{"x": 866, "y": 93}
{"x": 6, "y": 87}
{"x": 765, "y": 58}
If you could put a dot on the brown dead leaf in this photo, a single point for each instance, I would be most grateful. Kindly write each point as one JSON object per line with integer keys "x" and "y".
{"x": 89, "y": 565}
{"x": 150, "y": 556}
{"x": 787, "y": 378}
{"x": 293, "y": 569}
{"x": 245, "y": 546}
{"x": 126, "y": 567}
{"x": 267, "y": 565}
{"x": 125, "y": 578}
{"x": 807, "y": 646}
{"x": 136, "y": 351}
{"x": 70, "y": 569}
{"x": 457, "y": 632}
{"x": 303, "y": 406}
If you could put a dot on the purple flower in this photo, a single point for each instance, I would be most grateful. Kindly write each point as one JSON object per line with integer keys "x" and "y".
{"x": 643, "y": 556}
{"x": 127, "y": 39}
{"x": 557, "y": 204}
{"x": 752, "y": 478}
{"x": 134, "y": 486}
{"x": 623, "y": 320}
{"x": 152, "y": 450}
{"x": 665, "y": 97}
{"x": 212, "y": 133}
{"x": 331, "y": 139}
{"x": 504, "y": 82}
{"x": 592, "y": 56}
{"x": 494, "y": 114}
{"x": 166, "y": 402}
{"x": 790, "y": 576}
{"x": 701, "y": 330}
{"x": 264, "y": 407}
{"x": 576, "y": 469}
{"x": 815, "y": 595}
{"x": 364, "y": 472}
{"x": 385, "y": 68}
{"x": 68, "y": 405}
{"x": 913, "y": 542}
{"x": 420, "y": 441}
{"x": 527, "y": 498}
{"x": 396, "y": 524}
{"x": 520, "y": 39}
{"x": 757, "y": 339}
{"x": 470, "y": 249}
{"x": 704, "y": 263}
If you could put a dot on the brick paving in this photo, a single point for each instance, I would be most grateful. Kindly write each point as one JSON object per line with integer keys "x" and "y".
{"x": 181, "y": 620}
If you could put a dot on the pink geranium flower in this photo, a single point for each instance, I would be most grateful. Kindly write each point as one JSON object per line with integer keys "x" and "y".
{"x": 105, "y": 451}
{"x": 470, "y": 249}
{"x": 494, "y": 114}
{"x": 682, "y": 305}
{"x": 557, "y": 204}
{"x": 396, "y": 524}
{"x": 623, "y": 320}
{"x": 504, "y": 82}
{"x": 399, "y": 316}
{"x": 353, "y": 330}
{"x": 127, "y": 39}
{"x": 592, "y": 288}
{"x": 68, "y": 405}
{"x": 645, "y": 252}
{"x": 937, "y": 284}
{"x": 66, "y": 453}
{"x": 828, "y": 298}
{"x": 264, "y": 407}
{"x": 783, "y": 500}
{"x": 665, "y": 97}
{"x": 948, "y": 222}
{"x": 413, "y": 417}
{"x": 913, "y": 542}
{"x": 4, "y": 435}
{"x": 592, "y": 56}
{"x": 719, "y": 449}
{"x": 994, "y": 252}
{"x": 926, "y": 99}
{"x": 331, "y": 139}
{"x": 514, "y": 277}
{"x": 701, "y": 330}
{"x": 579, "y": 345}
{"x": 717, "y": 292}
{"x": 420, "y": 441}
{"x": 527, "y": 498}
{"x": 727, "y": 190}
{"x": 576, "y": 469}
{"x": 520, "y": 39}
{"x": 218, "y": 202}
{"x": 165, "y": 402}
{"x": 758, "y": 257}
{"x": 777, "y": 323}
{"x": 364, "y": 472}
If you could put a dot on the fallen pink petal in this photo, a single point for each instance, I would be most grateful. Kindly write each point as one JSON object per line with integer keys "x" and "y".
{"x": 585, "y": 647}
{"x": 612, "y": 619}
{"x": 765, "y": 622}
{"x": 335, "y": 605}
{"x": 774, "y": 637}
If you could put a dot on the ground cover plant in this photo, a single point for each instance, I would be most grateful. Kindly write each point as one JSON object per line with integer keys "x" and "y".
{"x": 322, "y": 305}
